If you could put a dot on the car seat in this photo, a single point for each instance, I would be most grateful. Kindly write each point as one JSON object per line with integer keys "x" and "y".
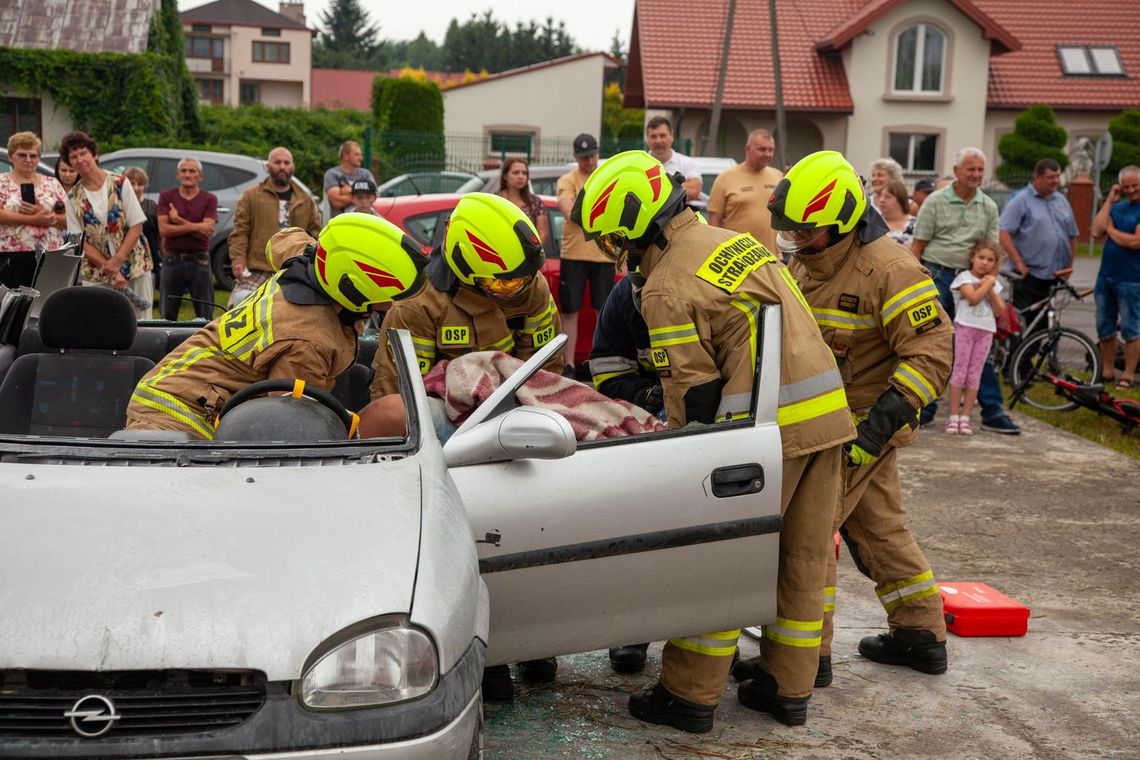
{"x": 352, "y": 387}
{"x": 81, "y": 385}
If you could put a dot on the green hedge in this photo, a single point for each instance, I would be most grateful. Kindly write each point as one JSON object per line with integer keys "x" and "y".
{"x": 1036, "y": 135}
{"x": 1125, "y": 130}
{"x": 409, "y": 117}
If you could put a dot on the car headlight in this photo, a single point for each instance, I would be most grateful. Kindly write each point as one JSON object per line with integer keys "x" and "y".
{"x": 375, "y": 668}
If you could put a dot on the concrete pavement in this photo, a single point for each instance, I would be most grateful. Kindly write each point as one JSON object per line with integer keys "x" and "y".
{"x": 1047, "y": 518}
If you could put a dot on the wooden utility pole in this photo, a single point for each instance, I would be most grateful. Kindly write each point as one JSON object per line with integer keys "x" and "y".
{"x": 781, "y": 127}
{"x": 714, "y": 119}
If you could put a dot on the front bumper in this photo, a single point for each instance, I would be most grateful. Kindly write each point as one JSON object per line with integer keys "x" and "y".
{"x": 426, "y": 727}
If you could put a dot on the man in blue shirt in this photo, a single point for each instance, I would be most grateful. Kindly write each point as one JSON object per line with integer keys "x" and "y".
{"x": 1039, "y": 234}
{"x": 1118, "y": 283}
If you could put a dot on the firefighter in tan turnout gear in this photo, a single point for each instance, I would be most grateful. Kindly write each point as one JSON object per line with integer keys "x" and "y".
{"x": 300, "y": 324}
{"x": 704, "y": 291}
{"x": 879, "y": 312}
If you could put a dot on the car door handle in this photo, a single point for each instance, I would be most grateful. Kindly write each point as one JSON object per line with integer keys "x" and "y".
{"x": 737, "y": 480}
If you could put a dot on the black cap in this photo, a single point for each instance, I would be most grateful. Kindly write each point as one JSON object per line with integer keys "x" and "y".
{"x": 364, "y": 186}
{"x": 585, "y": 145}
{"x": 924, "y": 186}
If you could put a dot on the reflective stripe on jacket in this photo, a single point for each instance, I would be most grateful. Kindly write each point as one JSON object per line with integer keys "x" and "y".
{"x": 263, "y": 337}
{"x": 879, "y": 312}
{"x": 702, "y": 301}
{"x": 445, "y": 327}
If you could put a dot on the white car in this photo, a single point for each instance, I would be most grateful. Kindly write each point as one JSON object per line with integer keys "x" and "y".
{"x": 340, "y": 598}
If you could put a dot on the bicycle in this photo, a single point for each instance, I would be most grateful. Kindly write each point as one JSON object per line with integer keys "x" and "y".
{"x": 1094, "y": 397}
{"x": 1052, "y": 350}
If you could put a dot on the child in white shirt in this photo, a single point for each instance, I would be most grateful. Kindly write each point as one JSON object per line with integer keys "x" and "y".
{"x": 976, "y": 300}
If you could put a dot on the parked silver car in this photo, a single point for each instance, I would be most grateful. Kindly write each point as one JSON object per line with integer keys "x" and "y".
{"x": 320, "y": 598}
{"x": 543, "y": 179}
{"x": 226, "y": 175}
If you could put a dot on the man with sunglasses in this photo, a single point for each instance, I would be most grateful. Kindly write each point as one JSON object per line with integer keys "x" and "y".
{"x": 704, "y": 292}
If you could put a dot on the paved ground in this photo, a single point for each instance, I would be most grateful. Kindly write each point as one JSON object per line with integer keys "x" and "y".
{"x": 1045, "y": 517}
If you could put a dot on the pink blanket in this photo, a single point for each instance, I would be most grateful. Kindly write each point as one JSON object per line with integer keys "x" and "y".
{"x": 466, "y": 382}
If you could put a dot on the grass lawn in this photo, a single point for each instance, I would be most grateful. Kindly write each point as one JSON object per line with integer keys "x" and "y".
{"x": 186, "y": 310}
{"x": 1083, "y": 249}
{"x": 1090, "y": 425}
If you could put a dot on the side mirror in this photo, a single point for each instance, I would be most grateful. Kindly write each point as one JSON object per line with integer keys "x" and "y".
{"x": 526, "y": 432}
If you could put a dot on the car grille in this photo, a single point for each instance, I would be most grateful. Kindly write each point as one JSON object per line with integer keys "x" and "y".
{"x": 152, "y": 703}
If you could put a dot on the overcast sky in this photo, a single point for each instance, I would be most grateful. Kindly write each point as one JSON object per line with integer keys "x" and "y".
{"x": 590, "y": 22}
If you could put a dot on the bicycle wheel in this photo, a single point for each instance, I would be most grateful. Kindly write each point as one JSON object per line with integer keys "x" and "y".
{"x": 1064, "y": 352}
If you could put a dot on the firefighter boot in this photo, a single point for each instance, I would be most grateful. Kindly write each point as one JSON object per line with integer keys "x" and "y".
{"x": 658, "y": 706}
{"x": 761, "y": 694}
{"x": 628, "y": 659}
{"x": 746, "y": 670}
{"x": 497, "y": 684}
{"x": 539, "y": 671}
{"x": 906, "y": 646}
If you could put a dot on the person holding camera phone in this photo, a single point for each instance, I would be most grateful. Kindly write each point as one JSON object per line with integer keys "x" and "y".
{"x": 31, "y": 211}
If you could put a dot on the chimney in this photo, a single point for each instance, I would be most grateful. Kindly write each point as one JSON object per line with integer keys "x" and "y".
{"x": 293, "y": 10}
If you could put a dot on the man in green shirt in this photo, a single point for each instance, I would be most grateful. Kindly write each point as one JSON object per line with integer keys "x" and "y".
{"x": 949, "y": 223}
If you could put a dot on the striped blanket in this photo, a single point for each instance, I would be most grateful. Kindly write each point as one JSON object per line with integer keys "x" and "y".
{"x": 466, "y": 382}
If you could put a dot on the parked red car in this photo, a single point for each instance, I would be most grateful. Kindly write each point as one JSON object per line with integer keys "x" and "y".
{"x": 424, "y": 217}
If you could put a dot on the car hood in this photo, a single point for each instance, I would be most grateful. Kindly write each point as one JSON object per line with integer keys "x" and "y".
{"x": 125, "y": 568}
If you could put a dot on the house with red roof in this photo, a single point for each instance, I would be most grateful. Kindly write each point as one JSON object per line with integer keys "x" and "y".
{"x": 912, "y": 79}
{"x": 241, "y": 53}
{"x": 352, "y": 88}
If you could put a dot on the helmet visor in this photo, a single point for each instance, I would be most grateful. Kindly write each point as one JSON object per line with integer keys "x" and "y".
{"x": 794, "y": 241}
{"x": 503, "y": 288}
{"x": 611, "y": 244}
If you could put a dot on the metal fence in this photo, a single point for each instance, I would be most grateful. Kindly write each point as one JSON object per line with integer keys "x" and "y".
{"x": 401, "y": 152}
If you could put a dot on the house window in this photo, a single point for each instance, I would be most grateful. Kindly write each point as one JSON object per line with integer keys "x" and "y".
{"x": 915, "y": 152}
{"x": 210, "y": 90}
{"x": 920, "y": 58}
{"x": 1087, "y": 61}
{"x": 268, "y": 32}
{"x": 249, "y": 93}
{"x": 204, "y": 47}
{"x": 19, "y": 115}
{"x": 270, "y": 52}
{"x": 203, "y": 28}
{"x": 512, "y": 142}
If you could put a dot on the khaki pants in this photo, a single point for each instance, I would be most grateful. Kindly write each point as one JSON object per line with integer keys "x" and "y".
{"x": 874, "y": 524}
{"x": 696, "y": 667}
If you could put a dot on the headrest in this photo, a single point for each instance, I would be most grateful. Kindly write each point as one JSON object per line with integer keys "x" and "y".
{"x": 88, "y": 317}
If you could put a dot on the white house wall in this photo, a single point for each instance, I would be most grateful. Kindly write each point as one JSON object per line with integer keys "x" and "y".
{"x": 959, "y": 115}
{"x": 553, "y": 102}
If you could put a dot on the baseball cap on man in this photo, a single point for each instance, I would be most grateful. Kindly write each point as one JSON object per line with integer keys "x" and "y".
{"x": 364, "y": 186}
{"x": 924, "y": 186}
{"x": 585, "y": 145}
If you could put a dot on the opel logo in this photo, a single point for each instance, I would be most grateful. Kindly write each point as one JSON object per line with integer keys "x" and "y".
{"x": 93, "y": 715}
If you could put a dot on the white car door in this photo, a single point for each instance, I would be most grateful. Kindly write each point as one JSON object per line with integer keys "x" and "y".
{"x": 633, "y": 539}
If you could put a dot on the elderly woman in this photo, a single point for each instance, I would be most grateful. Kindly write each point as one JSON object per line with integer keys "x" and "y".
{"x": 31, "y": 211}
{"x": 895, "y": 209}
{"x": 883, "y": 170}
{"x": 103, "y": 206}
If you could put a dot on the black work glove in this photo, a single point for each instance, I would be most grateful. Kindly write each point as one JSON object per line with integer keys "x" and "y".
{"x": 651, "y": 398}
{"x": 890, "y": 414}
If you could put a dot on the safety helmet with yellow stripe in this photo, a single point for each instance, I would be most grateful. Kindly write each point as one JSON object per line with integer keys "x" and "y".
{"x": 822, "y": 191}
{"x": 363, "y": 260}
{"x": 492, "y": 246}
{"x": 626, "y": 202}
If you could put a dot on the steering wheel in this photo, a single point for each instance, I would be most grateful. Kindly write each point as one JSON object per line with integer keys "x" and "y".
{"x": 297, "y": 388}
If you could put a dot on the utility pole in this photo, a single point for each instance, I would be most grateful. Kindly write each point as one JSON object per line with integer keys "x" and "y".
{"x": 714, "y": 119}
{"x": 781, "y": 127}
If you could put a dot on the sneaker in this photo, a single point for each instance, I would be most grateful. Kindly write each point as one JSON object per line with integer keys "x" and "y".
{"x": 916, "y": 649}
{"x": 761, "y": 694}
{"x": 658, "y": 706}
{"x": 1002, "y": 424}
{"x": 497, "y": 684}
{"x": 539, "y": 671}
{"x": 628, "y": 659}
{"x": 952, "y": 426}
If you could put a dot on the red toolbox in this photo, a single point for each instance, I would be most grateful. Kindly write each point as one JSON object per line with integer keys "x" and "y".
{"x": 976, "y": 609}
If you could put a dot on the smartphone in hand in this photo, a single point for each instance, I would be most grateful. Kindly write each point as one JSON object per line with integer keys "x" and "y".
{"x": 28, "y": 192}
